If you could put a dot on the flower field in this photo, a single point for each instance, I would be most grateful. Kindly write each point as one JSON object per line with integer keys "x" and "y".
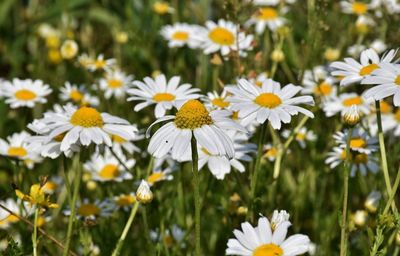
{"x": 226, "y": 127}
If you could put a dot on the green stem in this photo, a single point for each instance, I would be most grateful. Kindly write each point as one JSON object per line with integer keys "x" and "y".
{"x": 34, "y": 235}
{"x": 343, "y": 236}
{"x": 196, "y": 184}
{"x": 382, "y": 149}
{"x": 253, "y": 182}
{"x": 394, "y": 191}
{"x": 119, "y": 160}
{"x": 71, "y": 220}
{"x": 128, "y": 224}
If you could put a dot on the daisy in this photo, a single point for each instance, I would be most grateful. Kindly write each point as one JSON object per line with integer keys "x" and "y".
{"x": 359, "y": 161}
{"x": 302, "y": 136}
{"x": 161, "y": 7}
{"x": 165, "y": 94}
{"x": 264, "y": 240}
{"x": 354, "y": 71}
{"x": 5, "y": 217}
{"x": 87, "y": 209}
{"x": 181, "y": 34}
{"x": 25, "y": 93}
{"x": 269, "y": 102}
{"x": 193, "y": 119}
{"x": 259, "y": 79}
{"x": 318, "y": 82}
{"x": 344, "y": 102}
{"x": 100, "y": 63}
{"x": 159, "y": 175}
{"x": 378, "y": 45}
{"x": 85, "y": 126}
{"x": 224, "y": 37}
{"x": 390, "y": 122}
{"x": 270, "y": 152}
{"x": 266, "y": 17}
{"x": 17, "y": 147}
{"x": 360, "y": 141}
{"x": 125, "y": 201}
{"x": 387, "y": 81}
{"x": 115, "y": 84}
{"x": 119, "y": 144}
{"x": 354, "y": 7}
{"x": 107, "y": 167}
{"x": 217, "y": 101}
{"x": 77, "y": 95}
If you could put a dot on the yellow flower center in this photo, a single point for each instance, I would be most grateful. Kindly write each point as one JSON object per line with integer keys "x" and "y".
{"x": 361, "y": 158}
{"x": 366, "y": 70}
{"x": 205, "y": 151}
{"x": 300, "y": 136}
{"x": 50, "y": 186}
{"x": 17, "y": 151}
{"x": 397, "y": 80}
{"x": 160, "y": 7}
{"x": 219, "y": 102}
{"x": 180, "y": 36}
{"x": 76, "y": 95}
{"x": 25, "y": 95}
{"x": 235, "y": 115}
{"x": 59, "y": 137}
{"x": 268, "y": 100}
{"x": 100, "y": 64}
{"x": 114, "y": 83}
{"x": 118, "y": 139}
{"x": 155, "y": 177}
{"x": 159, "y": 97}
{"x": 358, "y": 143}
{"x": 397, "y": 115}
{"x": 272, "y": 152}
{"x": 267, "y": 13}
{"x": 323, "y": 89}
{"x": 268, "y": 250}
{"x": 109, "y": 171}
{"x": 193, "y": 114}
{"x": 87, "y": 117}
{"x": 352, "y": 101}
{"x": 125, "y": 200}
{"x": 88, "y": 210}
{"x": 222, "y": 36}
{"x": 359, "y": 8}
{"x": 385, "y": 107}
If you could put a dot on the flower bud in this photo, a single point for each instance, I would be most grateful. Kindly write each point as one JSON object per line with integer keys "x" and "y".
{"x": 360, "y": 218}
{"x": 352, "y": 116}
{"x": 277, "y": 55}
{"x": 332, "y": 54}
{"x": 279, "y": 217}
{"x": 143, "y": 193}
{"x": 69, "y": 49}
{"x": 372, "y": 201}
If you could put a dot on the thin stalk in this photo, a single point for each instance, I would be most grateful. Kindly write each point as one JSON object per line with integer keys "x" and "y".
{"x": 382, "y": 150}
{"x": 119, "y": 160}
{"x": 128, "y": 224}
{"x": 196, "y": 184}
{"x": 393, "y": 194}
{"x": 253, "y": 182}
{"x": 343, "y": 235}
{"x": 34, "y": 234}
{"x": 71, "y": 220}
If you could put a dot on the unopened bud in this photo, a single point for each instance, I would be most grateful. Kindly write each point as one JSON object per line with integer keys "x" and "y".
{"x": 372, "y": 201}
{"x": 360, "y": 218}
{"x": 332, "y": 54}
{"x": 69, "y": 49}
{"x": 277, "y": 55}
{"x": 352, "y": 116}
{"x": 143, "y": 193}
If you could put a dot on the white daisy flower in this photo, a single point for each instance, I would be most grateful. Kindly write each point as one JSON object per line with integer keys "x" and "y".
{"x": 165, "y": 94}
{"x": 279, "y": 217}
{"x": 181, "y": 34}
{"x": 360, "y": 141}
{"x": 263, "y": 240}
{"x": 387, "y": 83}
{"x": 159, "y": 175}
{"x": 302, "y": 136}
{"x": 359, "y": 161}
{"x": 390, "y": 122}
{"x": 354, "y": 7}
{"x": 77, "y": 95}
{"x": 193, "y": 119}
{"x": 120, "y": 144}
{"x": 259, "y": 79}
{"x": 115, "y": 84}
{"x": 85, "y": 126}
{"x": 106, "y": 167}
{"x": 125, "y": 201}
{"x": 379, "y": 46}
{"x": 98, "y": 64}
{"x": 269, "y": 102}
{"x": 6, "y": 219}
{"x": 25, "y": 93}
{"x": 271, "y": 2}
{"x": 318, "y": 82}
{"x": 87, "y": 209}
{"x": 267, "y": 17}
{"x": 354, "y": 71}
{"x": 217, "y": 101}
{"x": 372, "y": 201}
{"x": 388, "y": 119}
{"x": 224, "y": 37}
{"x": 355, "y": 50}
{"x": 270, "y": 152}
{"x": 343, "y": 103}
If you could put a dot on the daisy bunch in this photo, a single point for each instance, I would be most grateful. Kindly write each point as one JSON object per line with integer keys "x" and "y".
{"x": 115, "y": 83}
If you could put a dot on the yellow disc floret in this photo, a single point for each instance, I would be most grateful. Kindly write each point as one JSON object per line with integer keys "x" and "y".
{"x": 88, "y": 210}
{"x": 222, "y": 36}
{"x": 220, "y": 102}
{"x": 267, "y": 13}
{"x": 323, "y": 89}
{"x": 358, "y": 143}
{"x": 352, "y": 101}
{"x": 367, "y": 70}
{"x": 359, "y": 8}
{"x": 17, "y": 151}
{"x": 109, "y": 171}
{"x": 397, "y": 80}
{"x": 25, "y": 95}
{"x": 180, "y": 36}
{"x": 164, "y": 96}
{"x": 268, "y": 250}
{"x": 193, "y": 114}
{"x": 114, "y": 83}
{"x": 268, "y": 100}
{"x": 87, "y": 117}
